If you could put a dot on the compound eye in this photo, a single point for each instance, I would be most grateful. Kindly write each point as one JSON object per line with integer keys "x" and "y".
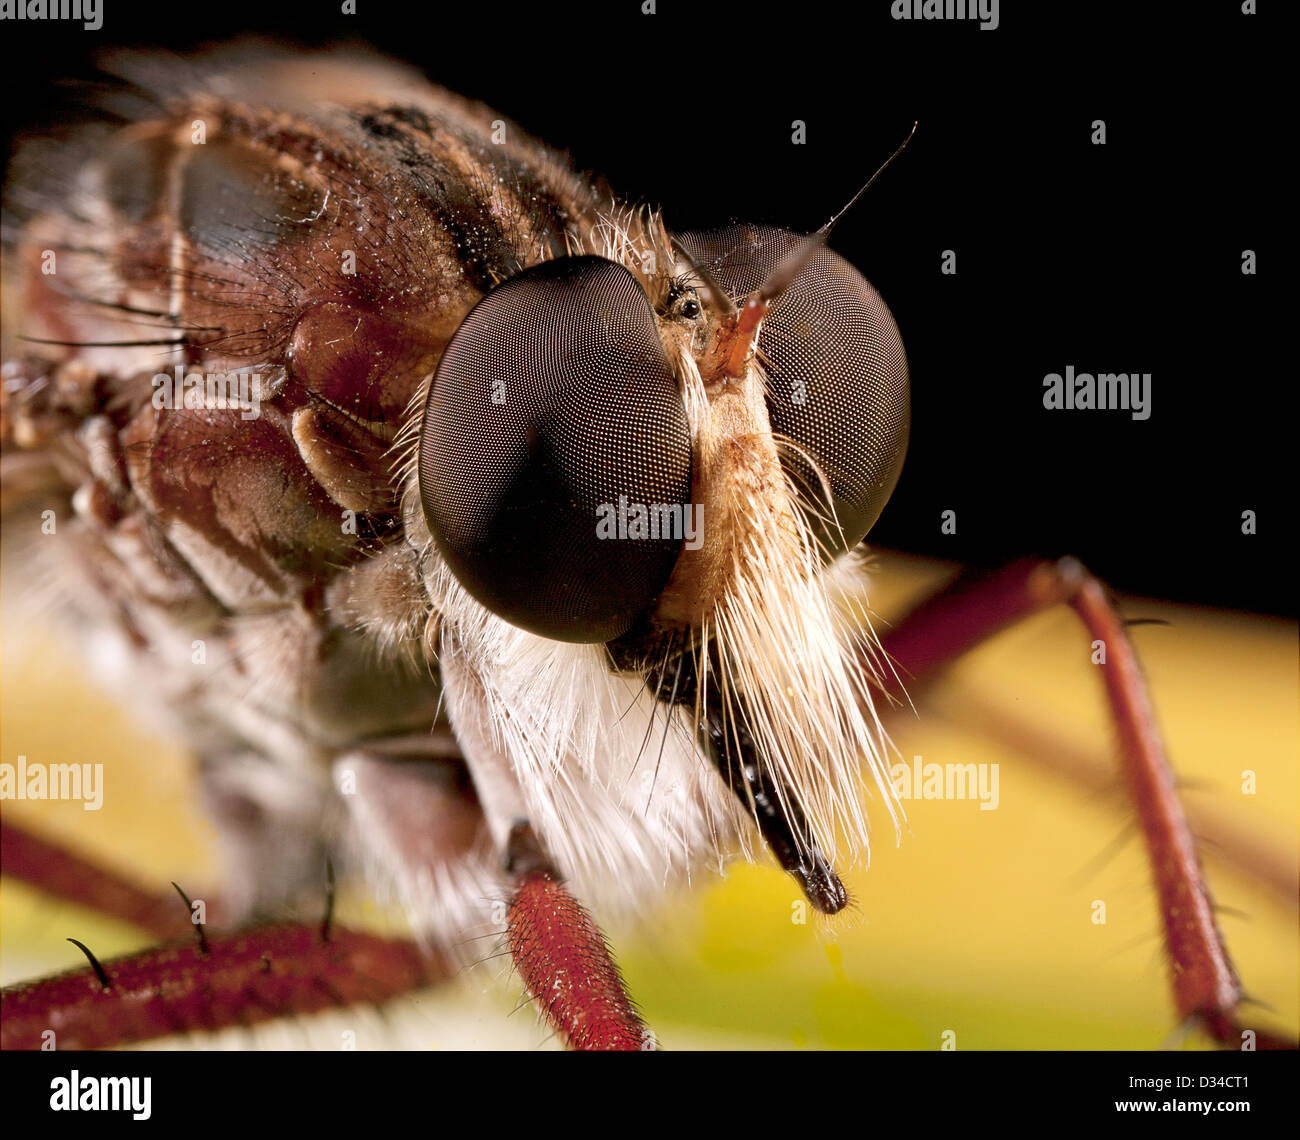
{"x": 837, "y": 373}
{"x": 555, "y": 452}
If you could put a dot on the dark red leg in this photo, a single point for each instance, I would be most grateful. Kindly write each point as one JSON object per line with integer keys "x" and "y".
{"x": 266, "y": 972}
{"x": 251, "y": 976}
{"x": 248, "y": 977}
{"x": 563, "y": 958}
{"x": 66, "y": 875}
{"x": 943, "y": 627}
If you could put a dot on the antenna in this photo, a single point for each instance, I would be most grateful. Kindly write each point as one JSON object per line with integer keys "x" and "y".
{"x": 826, "y": 229}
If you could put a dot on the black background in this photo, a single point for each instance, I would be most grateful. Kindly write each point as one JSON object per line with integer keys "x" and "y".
{"x": 1124, "y": 257}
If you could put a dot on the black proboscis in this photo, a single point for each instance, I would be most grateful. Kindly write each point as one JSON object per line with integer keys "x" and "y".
{"x": 727, "y": 741}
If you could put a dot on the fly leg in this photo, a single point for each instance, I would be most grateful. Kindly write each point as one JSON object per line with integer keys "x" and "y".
{"x": 67, "y": 875}
{"x": 204, "y": 982}
{"x": 1205, "y": 984}
{"x": 254, "y": 975}
{"x": 563, "y": 958}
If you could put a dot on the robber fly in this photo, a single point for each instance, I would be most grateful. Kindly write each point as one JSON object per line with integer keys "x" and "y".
{"x": 494, "y": 539}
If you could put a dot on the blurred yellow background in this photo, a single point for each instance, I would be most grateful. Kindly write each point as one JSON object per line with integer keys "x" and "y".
{"x": 979, "y": 923}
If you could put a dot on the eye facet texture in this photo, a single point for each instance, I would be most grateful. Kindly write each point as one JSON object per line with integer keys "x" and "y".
{"x": 837, "y": 372}
{"x": 553, "y": 416}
